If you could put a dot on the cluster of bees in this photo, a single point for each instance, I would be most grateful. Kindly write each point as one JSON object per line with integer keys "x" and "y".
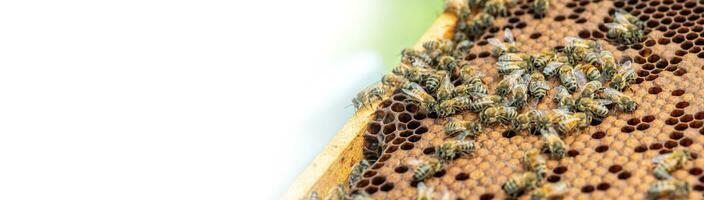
{"x": 581, "y": 96}
{"x": 668, "y": 186}
{"x": 626, "y": 28}
{"x": 582, "y": 70}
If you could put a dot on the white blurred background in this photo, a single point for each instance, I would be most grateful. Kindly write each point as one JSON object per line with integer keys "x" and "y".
{"x": 178, "y": 99}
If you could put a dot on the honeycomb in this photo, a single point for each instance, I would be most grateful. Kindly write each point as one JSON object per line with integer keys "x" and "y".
{"x": 611, "y": 159}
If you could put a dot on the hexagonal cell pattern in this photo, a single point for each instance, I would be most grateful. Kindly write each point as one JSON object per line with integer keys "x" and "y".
{"x": 610, "y": 159}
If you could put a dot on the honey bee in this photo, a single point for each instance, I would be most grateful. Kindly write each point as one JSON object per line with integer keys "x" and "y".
{"x": 667, "y": 163}
{"x": 447, "y": 62}
{"x": 587, "y": 104}
{"x": 509, "y": 62}
{"x": 408, "y": 55}
{"x": 519, "y": 183}
{"x": 473, "y": 129}
{"x": 393, "y": 80}
{"x": 621, "y": 100}
{"x": 432, "y": 81}
{"x": 568, "y": 78}
{"x": 445, "y": 90}
{"x": 508, "y": 82}
{"x": 539, "y": 7}
{"x": 533, "y": 161}
{"x": 454, "y": 147}
{"x": 576, "y": 49}
{"x": 571, "y": 122}
{"x": 469, "y": 73}
{"x": 537, "y": 86}
{"x": 623, "y": 78}
{"x": 671, "y": 189}
{"x": 550, "y": 191}
{"x": 471, "y": 89}
{"x": 539, "y": 121}
{"x": 563, "y": 98}
{"x": 553, "y": 144}
{"x": 460, "y": 128}
{"x": 591, "y": 88}
{"x": 479, "y": 23}
{"x": 522, "y": 121}
{"x": 507, "y": 114}
{"x": 415, "y": 58}
{"x": 418, "y": 94}
{"x": 518, "y": 95}
{"x": 557, "y": 115}
{"x": 431, "y": 45}
{"x": 425, "y": 192}
{"x": 426, "y": 168}
{"x": 368, "y": 96}
{"x": 607, "y": 63}
{"x": 356, "y": 173}
{"x": 500, "y": 114}
{"x": 489, "y": 115}
{"x": 542, "y": 59}
{"x": 498, "y": 7}
{"x": 507, "y": 46}
{"x": 484, "y": 102}
{"x": 414, "y": 74}
{"x": 551, "y": 68}
{"x": 626, "y": 33}
{"x": 456, "y": 127}
{"x": 450, "y": 106}
{"x": 592, "y": 72}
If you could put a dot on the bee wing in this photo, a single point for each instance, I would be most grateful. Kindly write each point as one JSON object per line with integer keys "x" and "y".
{"x": 465, "y": 43}
{"x": 561, "y": 111}
{"x": 612, "y": 25}
{"x": 412, "y": 94}
{"x": 447, "y": 195}
{"x": 571, "y": 39}
{"x": 611, "y": 92}
{"x": 534, "y": 103}
{"x": 626, "y": 67}
{"x": 526, "y": 78}
{"x": 517, "y": 73}
{"x": 414, "y": 162}
{"x": 581, "y": 78}
{"x": 496, "y": 43}
{"x": 544, "y": 84}
{"x": 660, "y": 158}
{"x": 621, "y": 18}
{"x": 421, "y": 186}
{"x": 604, "y": 101}
{"x": 508, "y": 36}
{"x": 475, "y": 95}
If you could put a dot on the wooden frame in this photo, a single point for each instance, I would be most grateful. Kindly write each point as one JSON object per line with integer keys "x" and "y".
{"x": 334, "y": 163}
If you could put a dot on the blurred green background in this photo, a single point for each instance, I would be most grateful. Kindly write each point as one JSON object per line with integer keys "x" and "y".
{"x": 391, "y": 25}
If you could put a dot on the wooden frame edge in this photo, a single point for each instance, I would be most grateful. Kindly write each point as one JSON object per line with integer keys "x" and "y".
{"x": 335, "y": 162}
